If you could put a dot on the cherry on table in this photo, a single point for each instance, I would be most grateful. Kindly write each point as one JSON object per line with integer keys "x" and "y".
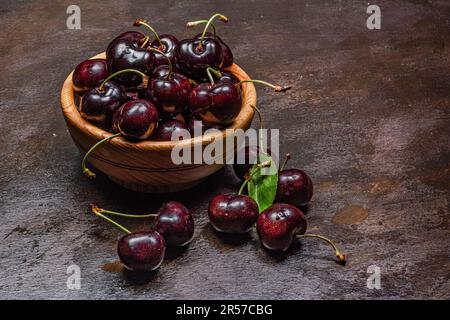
{"x": 175, "y": 223}
{"x": 88, "y": 75}
{"x": 142, "y": 251}
{"x": 232, "y": 213}
{"x": 281, "y": 223}
{"x": 294, "y": 186}
{"x": 172, "y": 220}
{"x": 138, "y": 251}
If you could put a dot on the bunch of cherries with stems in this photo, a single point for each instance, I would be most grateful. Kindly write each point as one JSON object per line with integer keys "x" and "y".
{"x": 280, "y": 223}
{"x": 150, "y": 89}
{"x": 145, "y": 250}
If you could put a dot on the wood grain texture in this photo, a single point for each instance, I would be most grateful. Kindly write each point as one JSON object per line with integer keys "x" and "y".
{"x": 146, "y": 166}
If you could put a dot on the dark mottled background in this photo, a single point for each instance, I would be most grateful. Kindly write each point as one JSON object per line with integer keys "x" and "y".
{"x": 369, "y": 119}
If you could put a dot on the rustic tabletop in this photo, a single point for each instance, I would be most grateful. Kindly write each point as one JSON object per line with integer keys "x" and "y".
{"x": 368, "y": 119}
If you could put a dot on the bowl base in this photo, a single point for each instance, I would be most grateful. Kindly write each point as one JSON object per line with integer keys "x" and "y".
{"x": 157, "y": 189}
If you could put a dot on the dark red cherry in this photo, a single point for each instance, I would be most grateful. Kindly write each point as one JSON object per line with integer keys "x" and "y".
{"x": 294, "y": 187}
{"x": 231, "y": 213}
{"x": 278, "y": 225}
{"x": 218, "y": 103}
{"x": 135, "y": 37}
{"x": 167, "y": 128}
{"x": 228, "y": 76}
{"x": 98, "y": 105}
{"x": 175, "y": 223}
{"x": 142, "y": 251}
{"x": 162, "y": 70}
{"x": 169, "y": 93}
{"x": 88, "y": 75}
{"x": 227, "y": 54}
{"x": 193, "y": 59}
{"x": 126, "y": 55}
{"x": 168, "y": 44}
{"x": 136, "y": 119}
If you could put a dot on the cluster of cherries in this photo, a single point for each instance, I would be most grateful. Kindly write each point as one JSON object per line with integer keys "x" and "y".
{"x": 277, "y": 226}
{"x": 150, "y": 89}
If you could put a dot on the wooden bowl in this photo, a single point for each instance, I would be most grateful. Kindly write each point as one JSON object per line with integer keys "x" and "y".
{"x": 146, "y": 166}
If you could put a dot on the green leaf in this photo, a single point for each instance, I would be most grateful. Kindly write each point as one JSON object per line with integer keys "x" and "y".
{"x": 262, "y": 187}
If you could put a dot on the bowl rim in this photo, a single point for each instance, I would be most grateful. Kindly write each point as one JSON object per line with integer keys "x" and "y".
{"x": 73, "y": 116}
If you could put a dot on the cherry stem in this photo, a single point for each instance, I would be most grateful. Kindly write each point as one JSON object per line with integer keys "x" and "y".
{"x": 143, "y": 75}
{"x": 252, "y": 173}
{"x": 276, "y": 88}
{"x": 169, "y": 62}
{"x": 95, "y": 209}
{"x": 288, "y": 157}
{"x": 85, "y": 170}
{"x": 98, "y": 213}
{"x": 217, "y": 15}
{"x": 339, "y": 255}
{"x": 141, "y": 22}
{"x": 196, "y": 23}
{"x": 208, "y": 73}
{"x": 144, "y": 43}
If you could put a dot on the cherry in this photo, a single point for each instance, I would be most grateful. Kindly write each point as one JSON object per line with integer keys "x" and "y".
{"x": 136, "y": 119}
{"x": 175, "y": 223}
{"x": 231, "y": 213}
{"x": 278, "y": 226}
{"x": 228, "y": 76}
{"x": 142, "y": 251}
{"x": 88, "y": 74}
{"x": 124, "y": 54}
{"x": 166, "y": 43}
{"x": 172, "y": 220}
{"x": 167, "y": 128}
{"x": 294, "y": 186}
{"x": 170, "y": 92}
{"x": 220, "y": 102}
{"x": 195, "y": 55}
{"x": 99, "y": 104}
{"x": 135, "y": 37}
{"x": 227, "y": 54}
{"x": 138, "y": 251}
{"x": 215, "y": 103}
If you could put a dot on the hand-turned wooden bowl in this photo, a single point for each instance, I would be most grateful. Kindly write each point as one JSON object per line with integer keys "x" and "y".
{"x": 146, "y": 166}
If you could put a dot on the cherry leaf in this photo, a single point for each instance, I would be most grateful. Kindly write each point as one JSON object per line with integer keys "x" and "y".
{"x": 262, "y": 186}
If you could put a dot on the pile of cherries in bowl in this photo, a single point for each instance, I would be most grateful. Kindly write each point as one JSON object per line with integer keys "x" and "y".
{"x": 149, "y": 89}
